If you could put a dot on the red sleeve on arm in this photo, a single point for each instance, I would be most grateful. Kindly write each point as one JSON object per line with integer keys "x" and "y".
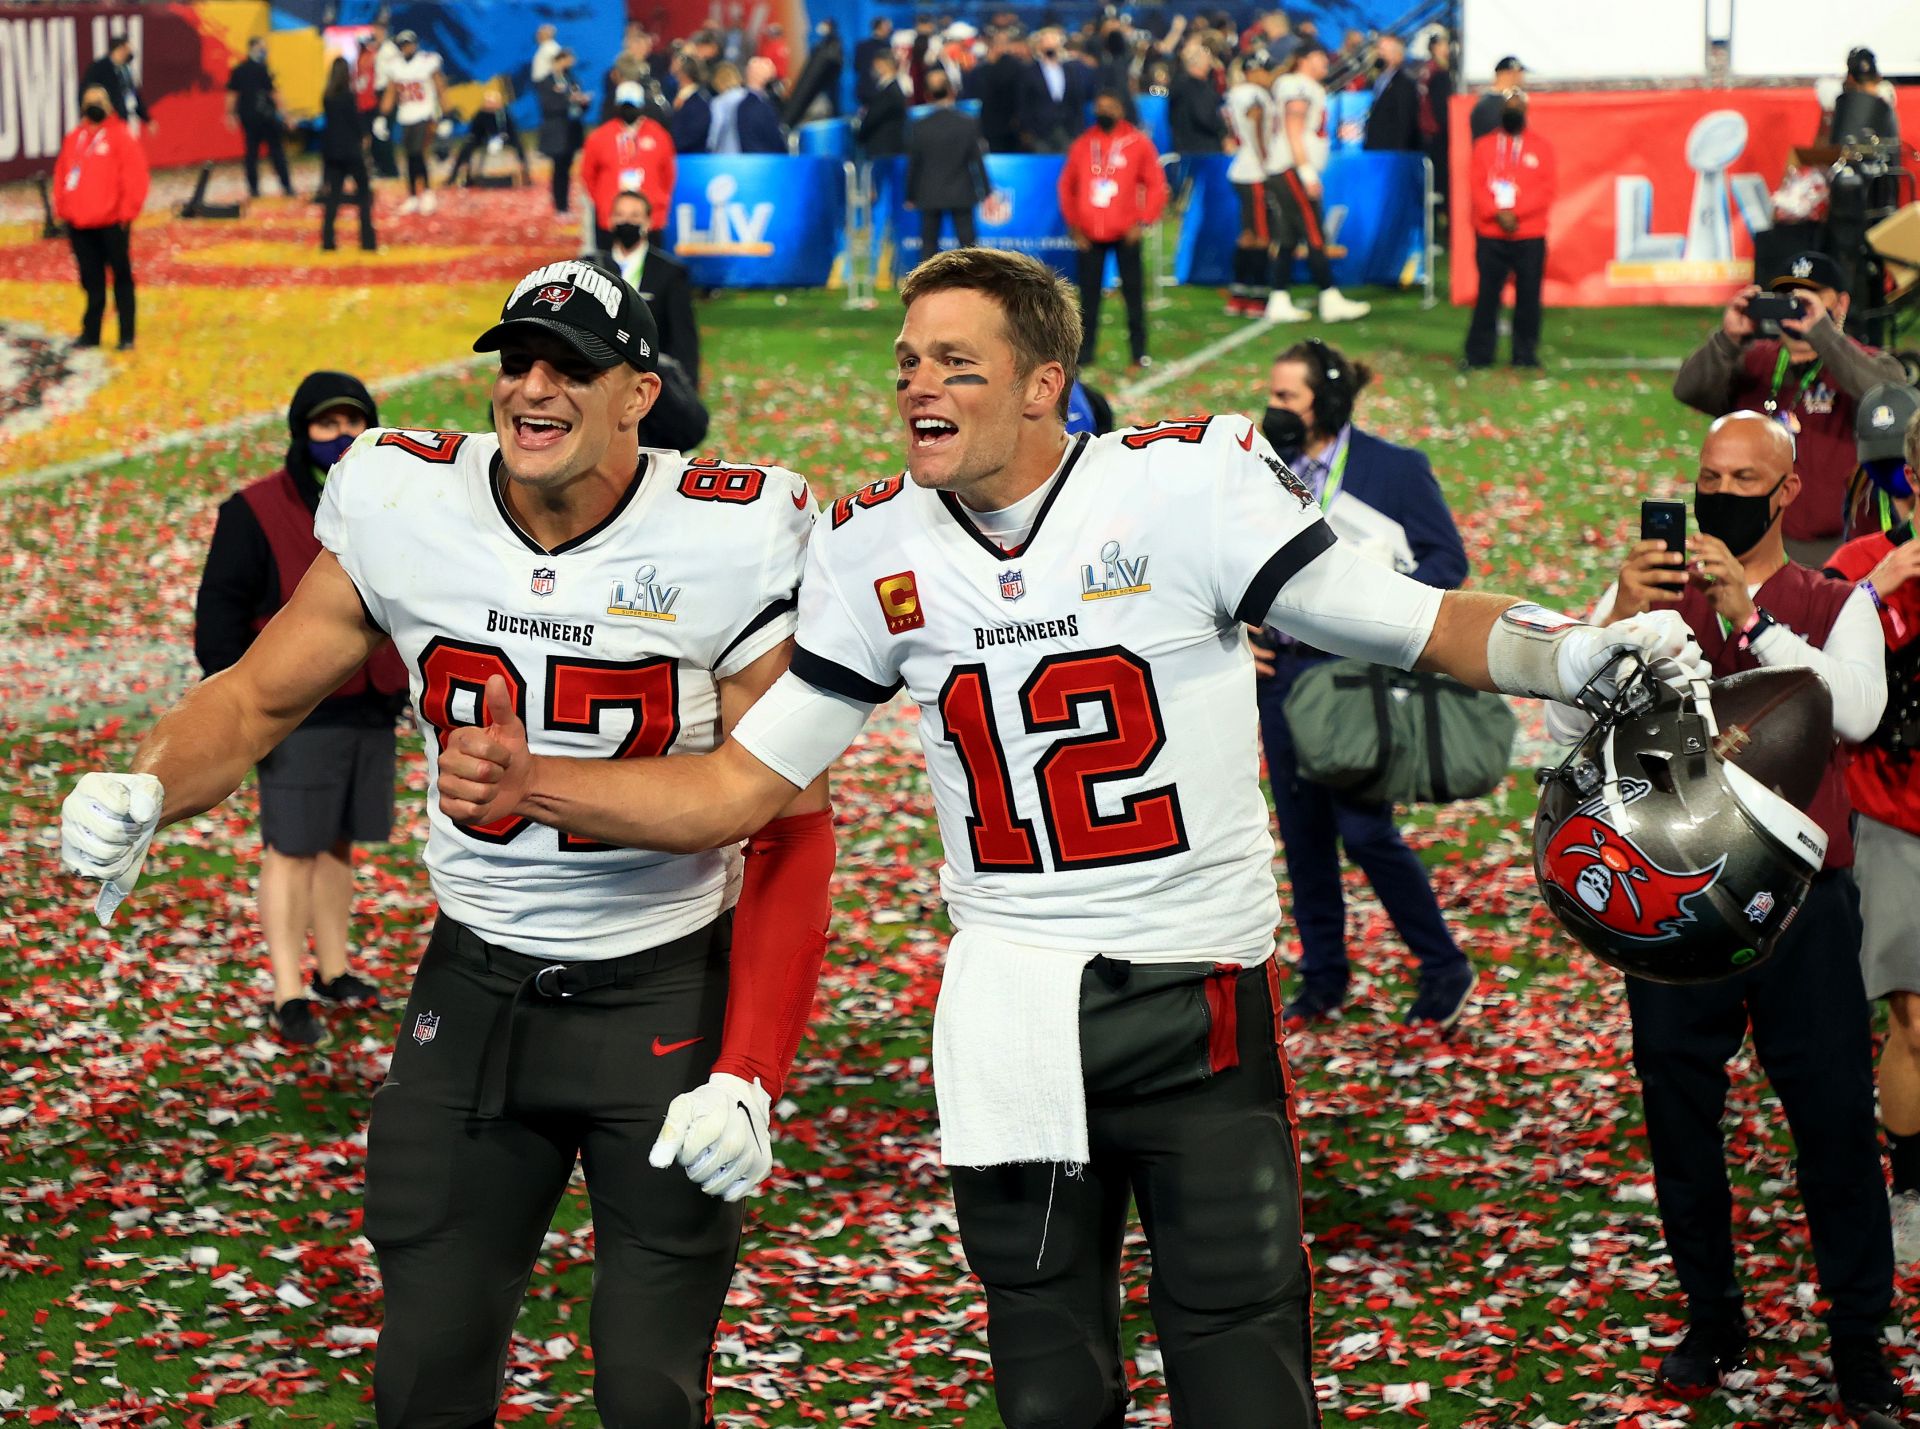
{"x": 1070, "y": 187}
{"x": 779, "y": 937}
{"x": 1534, "y": 195}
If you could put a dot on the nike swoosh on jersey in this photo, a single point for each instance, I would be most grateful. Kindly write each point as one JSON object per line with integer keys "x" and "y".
{"x": 1246, "y": 442}
{"x": 661, "y": 1049}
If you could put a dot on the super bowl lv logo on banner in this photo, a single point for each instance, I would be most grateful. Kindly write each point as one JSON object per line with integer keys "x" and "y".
{"x": 1619, "y": 886}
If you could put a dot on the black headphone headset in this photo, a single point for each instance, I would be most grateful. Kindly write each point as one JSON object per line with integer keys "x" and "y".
{"x": 1333, "y": 386}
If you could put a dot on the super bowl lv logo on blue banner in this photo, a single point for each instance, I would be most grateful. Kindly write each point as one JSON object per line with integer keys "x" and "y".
{"x": 758, "y": 220}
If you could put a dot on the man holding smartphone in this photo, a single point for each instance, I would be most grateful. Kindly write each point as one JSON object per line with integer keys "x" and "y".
{"x": 1808, "y": 375}
{"x": 1750, "y": 606}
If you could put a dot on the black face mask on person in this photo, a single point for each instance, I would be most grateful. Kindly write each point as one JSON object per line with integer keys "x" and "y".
{"x": 629, "y": 113}
{"x": 95, "y": 113}
{"x": 1107, "y": 121}
{"x": 628, "y": 235}
{"x": 1285, "y": 431}
{"x": 1741, "y": 522}
{"x": 1513, "y": 120}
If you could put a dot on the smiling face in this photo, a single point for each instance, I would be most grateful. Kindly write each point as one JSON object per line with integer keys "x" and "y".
{"x": 960, "y": 393}
{"x": 557, "y": 415}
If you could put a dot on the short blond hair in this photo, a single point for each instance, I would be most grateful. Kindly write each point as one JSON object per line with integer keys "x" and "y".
{"x": 1038, "y": 309}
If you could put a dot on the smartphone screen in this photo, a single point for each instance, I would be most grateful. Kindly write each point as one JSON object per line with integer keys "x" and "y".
{"x": 1665, "y": 521}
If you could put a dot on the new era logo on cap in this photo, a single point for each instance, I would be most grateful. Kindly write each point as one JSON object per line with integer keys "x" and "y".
{"x": 589, "y": 308}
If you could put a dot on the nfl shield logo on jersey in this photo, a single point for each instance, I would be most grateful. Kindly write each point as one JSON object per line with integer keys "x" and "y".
{"x": 1012, "y": 585}
{"x": 425, "y": 1027}
{"x": 543, "y": 581}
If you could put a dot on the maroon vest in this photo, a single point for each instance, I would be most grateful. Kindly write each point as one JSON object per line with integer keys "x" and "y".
{"x": 276, "y": 504}
{"x": 1807, "y": 603}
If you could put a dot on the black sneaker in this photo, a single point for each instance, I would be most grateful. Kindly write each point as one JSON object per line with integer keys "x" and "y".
{"x": 1314, "y": 1002}
{"x": 1442, "y": 998}
{"x": 345, "y": 990}
{"x": 1692, "y": 1369}
{"x": 1868, "y": 1390}
{"x": 295, "y": 1024}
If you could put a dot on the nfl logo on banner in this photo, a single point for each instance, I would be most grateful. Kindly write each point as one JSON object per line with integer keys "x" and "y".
{"x": 425, "y": 1026}
{"x": 1012, "y": 586}
{"x": 543, "y": 581}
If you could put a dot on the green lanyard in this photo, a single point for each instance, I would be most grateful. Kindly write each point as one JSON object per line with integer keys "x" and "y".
{"x": 1779, "y": 376}
{"x": 1336, "y": 474}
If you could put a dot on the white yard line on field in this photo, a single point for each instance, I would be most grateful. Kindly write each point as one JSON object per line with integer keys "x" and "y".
{"x": 1193, "y": 362}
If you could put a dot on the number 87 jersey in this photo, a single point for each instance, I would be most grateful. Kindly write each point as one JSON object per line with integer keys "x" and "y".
{"x": 611, "y": 646}
{"x": 1087, "y": 701}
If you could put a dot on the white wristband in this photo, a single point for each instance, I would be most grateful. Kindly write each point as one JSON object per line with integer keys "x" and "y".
{"x": 1523, "y": 652}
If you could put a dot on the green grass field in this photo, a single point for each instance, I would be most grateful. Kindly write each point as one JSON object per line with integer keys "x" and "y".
{"x": 179, "y": 1208}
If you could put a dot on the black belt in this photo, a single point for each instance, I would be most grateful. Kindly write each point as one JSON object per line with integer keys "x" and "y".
{"x": 545, "y": 981}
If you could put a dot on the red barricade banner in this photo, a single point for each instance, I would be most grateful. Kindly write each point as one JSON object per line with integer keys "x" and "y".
{"x": 180, "y": 62}
{"x": 1660, "y": 190}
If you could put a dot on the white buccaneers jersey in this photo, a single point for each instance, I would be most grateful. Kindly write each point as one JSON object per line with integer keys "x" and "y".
{"x": 1247, "y": 106}
{"x": 1297, "y": 89}
{"x": 419, "y": 99}
{"x": 611, "y": 645}
{"x": 1087, "y": 704}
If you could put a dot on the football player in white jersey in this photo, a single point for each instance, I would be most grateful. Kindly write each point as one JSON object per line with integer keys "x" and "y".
{"x": 1070, "y": 613}
{"x": 576, "y": 1000}
{"x": 416, "y": 87}
{"x": 1247, "y": 105}
{"x": 1296, "y": 157}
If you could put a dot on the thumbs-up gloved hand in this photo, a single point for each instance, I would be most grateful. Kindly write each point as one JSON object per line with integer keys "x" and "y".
{"x": 484, "y": 771}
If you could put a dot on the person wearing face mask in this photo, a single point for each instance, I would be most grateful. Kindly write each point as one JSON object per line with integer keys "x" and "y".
{"x": 1111, "y": 189}
{"x": 630, "y": 153}
{"x": 1810, "y": 376}
{"x": 330, "y": 784}
{"x": 253, "y": 105}
{"x": 1884, "y": 782}
{"x": 1054, "y": 94}
{"x": 1515, "y": 177}
{"x": 99, "y": 187}
{"x": 665, "y": 286}
{"x": 1383, "y": 500}
{"x": 1750, "y": 606}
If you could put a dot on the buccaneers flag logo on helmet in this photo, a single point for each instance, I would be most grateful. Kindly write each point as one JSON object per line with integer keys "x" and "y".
{"x": 1616, "y": 883}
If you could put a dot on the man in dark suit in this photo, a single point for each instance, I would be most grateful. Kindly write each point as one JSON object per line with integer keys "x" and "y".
{"x": 761, "y": 131}
{"x": 946, "y": 167}
{"x": 996, "y": 83}
{"x": 879, "y": 41}
{"x": 664, "y": 284}
{"x": 1382, "y": 499}
{"x": 882, "y": 127}
{"x": 1054, "y": 94}
{"x": 1394, "y": 121}
{"x": 113, "y": 72}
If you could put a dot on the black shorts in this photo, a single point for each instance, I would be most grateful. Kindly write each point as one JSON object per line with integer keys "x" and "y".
{"x": 459, "y": 1200}
{"x": 326, "y": 784}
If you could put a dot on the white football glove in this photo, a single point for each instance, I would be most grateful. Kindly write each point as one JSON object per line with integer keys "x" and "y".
{"x": 718, "y": 1131}
{"x": 381, "y": 129}
{"x": 106, "y": 826}
{"x": 1656, "y": 634}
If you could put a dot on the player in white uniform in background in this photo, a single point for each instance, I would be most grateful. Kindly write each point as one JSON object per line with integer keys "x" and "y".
{"x": 1069, "y": 613}
{"x": 576, "y": 1000}
{"x": 415, "y": 88}
{"x": 1247, "y": 103}
{"x": 1296, "y": 158}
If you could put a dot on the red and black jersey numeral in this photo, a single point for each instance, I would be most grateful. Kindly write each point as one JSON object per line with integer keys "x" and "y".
{"x": 710, "y": 481}
{"x": 871, "y": 495}
{"x": 1119, "y": 683}
{"x": 1001, "y": 841}
{"x": 579, "y": 694}
{"x": 452, "y": 667}
{"x": 1191, "y": 430}
{"x": 437, "y": 447}
{"x": 580, "y": 691}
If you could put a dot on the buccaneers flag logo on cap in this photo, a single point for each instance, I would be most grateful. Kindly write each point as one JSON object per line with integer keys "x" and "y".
{"x": 1616, "y": 884}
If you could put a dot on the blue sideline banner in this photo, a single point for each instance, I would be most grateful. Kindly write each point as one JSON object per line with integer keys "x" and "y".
{"x": 1021, "y": 213}
{"x": 758, "y": 220}
{"x": 1375, "y": 226}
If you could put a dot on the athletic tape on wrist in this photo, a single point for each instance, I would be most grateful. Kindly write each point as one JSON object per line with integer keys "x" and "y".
{"x": 1523, "y": 651}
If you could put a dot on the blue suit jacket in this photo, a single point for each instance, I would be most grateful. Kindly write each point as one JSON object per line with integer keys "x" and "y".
{"x": 1398, "y": 482}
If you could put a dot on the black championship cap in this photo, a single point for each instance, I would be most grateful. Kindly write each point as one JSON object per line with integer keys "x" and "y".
{"x": 1880, "y": 422}
{"x": 1862, "y": 65}
{"x": 1810, "y": 270}
{"x": 1510, "y": 62}
{"x": 590, "y": 309}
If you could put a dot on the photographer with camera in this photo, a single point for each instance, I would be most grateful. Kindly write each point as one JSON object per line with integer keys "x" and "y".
{"x": 1750, "y": 605}
{"x": 1884, "y": 782}
{"x": 1383, "y": 499}
{"x": 1809, "y": 377}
